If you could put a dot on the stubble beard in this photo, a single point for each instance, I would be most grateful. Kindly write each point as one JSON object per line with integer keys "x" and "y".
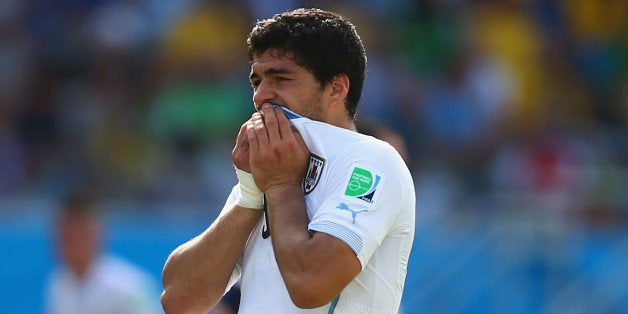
{"x": 313, "y": 108}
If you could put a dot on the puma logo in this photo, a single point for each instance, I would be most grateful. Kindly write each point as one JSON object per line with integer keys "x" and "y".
{"x": 343, "y": 206}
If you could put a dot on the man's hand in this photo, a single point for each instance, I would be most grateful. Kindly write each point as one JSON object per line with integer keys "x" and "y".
{"x": 240, "y": 152}
{"x": 250, "y": 195}
{"x": 278, "y": 153}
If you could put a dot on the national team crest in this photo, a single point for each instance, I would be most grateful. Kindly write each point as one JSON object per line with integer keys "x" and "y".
{"x": 313, "y": 175}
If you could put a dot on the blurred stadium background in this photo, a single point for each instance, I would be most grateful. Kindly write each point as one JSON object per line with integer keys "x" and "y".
{"x": 514, "y": 115}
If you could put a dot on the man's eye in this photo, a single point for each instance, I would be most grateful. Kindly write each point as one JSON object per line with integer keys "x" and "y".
{"x": 281, "y": 79}
{"x": 255, "y": 83}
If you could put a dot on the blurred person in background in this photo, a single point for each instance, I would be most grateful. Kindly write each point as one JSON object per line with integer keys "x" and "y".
{"x": 322, "y": 228}
{"x": 385, "y": 133}
{"x": 88, "y": 279}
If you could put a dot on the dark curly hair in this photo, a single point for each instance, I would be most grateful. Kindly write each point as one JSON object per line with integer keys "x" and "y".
{"x": 323, "y": 42}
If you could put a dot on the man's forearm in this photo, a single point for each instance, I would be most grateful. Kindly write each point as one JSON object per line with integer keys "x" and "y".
{"x": 292, "y": 242}
{"x": 315, "y": 266}
{"x": 197, "y": 272}
{"x": 288, "y": 221}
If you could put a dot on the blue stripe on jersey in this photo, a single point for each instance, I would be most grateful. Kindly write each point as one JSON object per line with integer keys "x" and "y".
{"x": 339, "y": 231}
{"x": 289, "y": 114}
{"x": 332, "y": 307}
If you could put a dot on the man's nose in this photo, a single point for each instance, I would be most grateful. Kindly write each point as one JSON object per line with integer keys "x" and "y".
{"x": 263, "y": 93}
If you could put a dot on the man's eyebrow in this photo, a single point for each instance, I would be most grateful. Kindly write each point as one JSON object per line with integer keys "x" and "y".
{"x": 271, "y": 71}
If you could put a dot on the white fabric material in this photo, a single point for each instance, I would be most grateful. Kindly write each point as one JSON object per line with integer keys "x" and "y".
{"x": 365, "y": 197}
{"x": 250, "y": 195}
{"x": 112, "y": 286}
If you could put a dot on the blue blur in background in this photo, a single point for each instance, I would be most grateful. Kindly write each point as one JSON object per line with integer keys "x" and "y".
{"x": 474, "y": 267}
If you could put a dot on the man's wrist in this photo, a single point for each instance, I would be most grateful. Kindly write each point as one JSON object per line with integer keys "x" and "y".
{"x": 283, "y": 189}
{"x": 250, "y": 195}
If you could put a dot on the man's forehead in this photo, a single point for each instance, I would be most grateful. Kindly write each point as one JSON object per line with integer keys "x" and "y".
{"x": 265, "y": 61}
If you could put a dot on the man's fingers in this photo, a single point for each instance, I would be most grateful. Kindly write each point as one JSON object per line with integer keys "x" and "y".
{"x": 240, "y": 153}
{"x": 259, "y": 128}
{"x": 285, "y": 128}
{"x": 271, "y": 123}
{"x": 251, "y": 136}
{"x": 241, "y": 139}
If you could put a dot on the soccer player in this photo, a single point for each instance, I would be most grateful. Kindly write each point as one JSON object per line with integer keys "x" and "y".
{"x": 88, "y": 279}
{"x": 322, "y": 219}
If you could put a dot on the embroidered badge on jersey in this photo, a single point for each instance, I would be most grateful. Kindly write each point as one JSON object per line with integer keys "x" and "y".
{"x": 313, "y": 175}
{"x": 362, "y": 184}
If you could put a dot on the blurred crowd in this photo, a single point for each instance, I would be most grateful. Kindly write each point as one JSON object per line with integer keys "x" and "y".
{"x": 142, "y": 99}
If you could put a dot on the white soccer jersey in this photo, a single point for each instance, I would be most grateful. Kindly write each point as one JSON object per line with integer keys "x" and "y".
{"x": 112, "y": 286}
{"x": 359, "y": 190}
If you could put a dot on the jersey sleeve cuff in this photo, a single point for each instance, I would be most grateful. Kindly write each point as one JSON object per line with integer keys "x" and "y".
{"x": 352, "y": 239}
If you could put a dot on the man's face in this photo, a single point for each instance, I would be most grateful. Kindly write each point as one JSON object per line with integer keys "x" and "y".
{"x": 78, "y": 239}
{"x": 277, "y": 79}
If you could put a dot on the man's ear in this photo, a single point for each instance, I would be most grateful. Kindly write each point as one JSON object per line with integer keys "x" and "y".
{"x": 339, "y": 88}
